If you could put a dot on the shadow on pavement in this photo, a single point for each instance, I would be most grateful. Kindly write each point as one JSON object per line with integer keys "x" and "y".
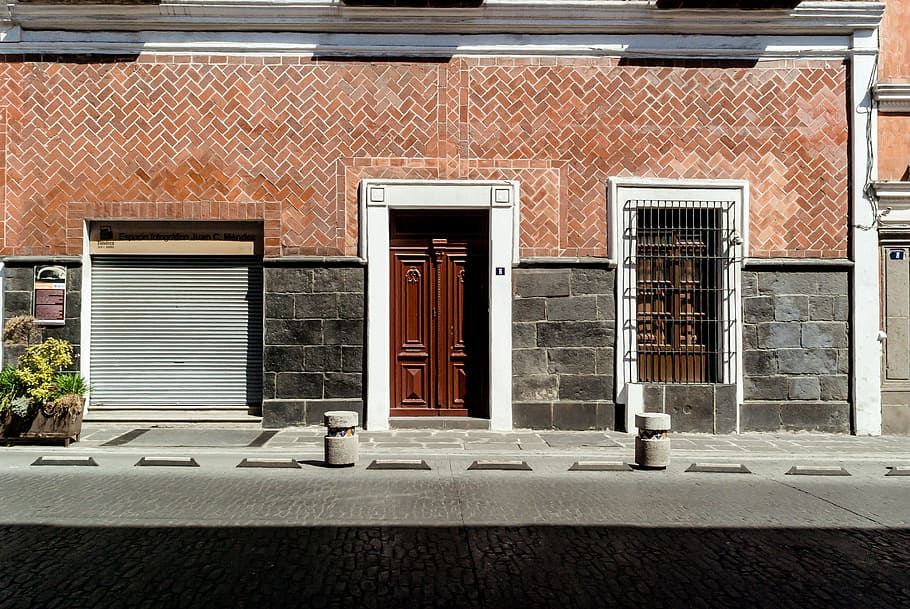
{"x": 463, "y": 567}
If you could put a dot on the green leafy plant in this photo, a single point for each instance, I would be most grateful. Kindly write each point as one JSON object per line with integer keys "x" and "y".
{"x": 69, "y": 392}
{"x": 39, "y": 364}
{"x": 10, "y": 388}
{"x": 70, "y": 383}
{"x": 21, "y": 407}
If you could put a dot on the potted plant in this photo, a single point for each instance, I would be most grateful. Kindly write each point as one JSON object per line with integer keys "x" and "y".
{"x": 19, "y": 333}
{"x": 38, "y": 398}
{"x": 61, "y": 415}
{"x": 10, "y": 390}
{"x": 55, "y": 398}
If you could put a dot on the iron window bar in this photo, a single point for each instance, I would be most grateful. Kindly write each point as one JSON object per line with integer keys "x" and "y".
{"x": 680, "y": 284}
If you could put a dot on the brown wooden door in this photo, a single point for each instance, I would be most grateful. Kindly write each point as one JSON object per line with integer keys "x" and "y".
{"x": 439, "y": 321}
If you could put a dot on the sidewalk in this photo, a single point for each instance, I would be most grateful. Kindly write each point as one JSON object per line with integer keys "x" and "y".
{"x": 514, "y": 444}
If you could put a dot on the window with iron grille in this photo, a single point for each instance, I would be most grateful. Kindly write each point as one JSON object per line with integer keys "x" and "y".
{"x": 679, "y": 291}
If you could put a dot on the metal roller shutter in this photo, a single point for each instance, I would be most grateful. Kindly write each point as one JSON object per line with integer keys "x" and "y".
{"x": 179, "y": 331}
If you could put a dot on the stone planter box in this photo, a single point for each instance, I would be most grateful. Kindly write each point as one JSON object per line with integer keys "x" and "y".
{"x": 6, "y": 422}
{"x": 65, "y": 427}
{"x": 43, "y": 426}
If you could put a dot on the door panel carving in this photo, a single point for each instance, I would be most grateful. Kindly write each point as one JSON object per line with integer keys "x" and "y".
{"x": 439, "y": 324}
{"x": 412, "y": 332}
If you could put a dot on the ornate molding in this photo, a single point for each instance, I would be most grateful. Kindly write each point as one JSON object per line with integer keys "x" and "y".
{"x": 892, "y": 97}
{"x": 9, "y": 34}
{"x": 493, "y": 16}
{"x": 894, "y": 206}
{"x": 892, "y": 193}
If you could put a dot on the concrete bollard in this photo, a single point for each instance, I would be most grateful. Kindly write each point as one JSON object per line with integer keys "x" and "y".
{"x": 341, "y": 441}
{"x": 652, "y": 446}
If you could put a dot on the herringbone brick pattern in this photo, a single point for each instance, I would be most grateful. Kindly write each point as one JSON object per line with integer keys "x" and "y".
{"x": 4, "y": 110}
{"x": 540, "y": 191}
{"x": 784, "y": 130}
{"x": 354, "y": 170}
{"x": 286, "y": 140}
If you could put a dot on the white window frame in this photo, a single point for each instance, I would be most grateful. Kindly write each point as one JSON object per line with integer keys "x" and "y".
{"x": 710, "y": 194}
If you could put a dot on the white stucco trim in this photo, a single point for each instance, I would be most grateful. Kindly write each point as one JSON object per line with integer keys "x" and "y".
{"x": 896, "y": 192}
{"x": 864, "y": 321}
{"x": 85, "y": 313}
{"x": 507, "y": 16}
{"x": 10, "y": 34}
{"x": 628, "y": 391}
{"x": 377, "y": 197}
{"x": 892, "y": 97}
{"x": 595, "y": 44}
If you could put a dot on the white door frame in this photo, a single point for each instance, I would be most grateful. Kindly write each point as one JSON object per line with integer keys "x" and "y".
{"x": 377, "y": 197}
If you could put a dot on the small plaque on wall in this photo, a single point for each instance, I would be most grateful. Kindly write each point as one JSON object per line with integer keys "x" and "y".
{"x": 50, "y": 295}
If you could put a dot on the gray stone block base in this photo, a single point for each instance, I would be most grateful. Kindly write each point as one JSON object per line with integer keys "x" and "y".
{"x": 707, "y": 408}
{"x": 829, "y": 417}
{"x": 289, "y": 413}
{"x": 568, "y": 416}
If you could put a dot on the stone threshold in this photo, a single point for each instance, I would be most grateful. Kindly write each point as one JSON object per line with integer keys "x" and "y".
{"x": 443, "y": 423}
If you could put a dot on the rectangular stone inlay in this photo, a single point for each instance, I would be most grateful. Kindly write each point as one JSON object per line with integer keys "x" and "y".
{"x": 719, "y": 468}
{"x": 600, "y": 466}
{"x": 65, "y": 461}
{"x": 270, "y": 463}
{"x": 500, "y": 466}
{"x": 418, "y": 464}
{"x": 817, "y": 470}
{"x": 167, "y": 462}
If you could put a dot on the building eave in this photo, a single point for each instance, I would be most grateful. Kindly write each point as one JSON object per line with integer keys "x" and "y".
{"x": 493, "y": 16}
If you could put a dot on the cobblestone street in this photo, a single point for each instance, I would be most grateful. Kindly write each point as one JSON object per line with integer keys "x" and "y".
{"x": 521, "y": 566}
{"x": 215, "y": 536}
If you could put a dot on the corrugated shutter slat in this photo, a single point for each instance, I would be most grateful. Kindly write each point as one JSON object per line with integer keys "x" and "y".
{"x": 178, "y": 331}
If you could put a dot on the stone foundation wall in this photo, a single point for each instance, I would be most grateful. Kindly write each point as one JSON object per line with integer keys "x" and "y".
{"x": 314, "y": 335}
{"x": 703, "y": 408}
{"x": 562, "y": 347}
{"x": 796, "y": 358}
{"x": 18, "y": 299}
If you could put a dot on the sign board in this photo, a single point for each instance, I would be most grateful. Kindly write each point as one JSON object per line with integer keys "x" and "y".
{"x": 896, "y": 254}
{"x": 164, "y": 238}
{"x": 50, "y": 295}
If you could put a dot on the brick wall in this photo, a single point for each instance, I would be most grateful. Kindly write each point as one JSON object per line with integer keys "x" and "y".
{"x": 894, "y": 65}
{"x": 894, "y": 68}
{"x": 894, "y": 147}
{"x": 286, "y": 139}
